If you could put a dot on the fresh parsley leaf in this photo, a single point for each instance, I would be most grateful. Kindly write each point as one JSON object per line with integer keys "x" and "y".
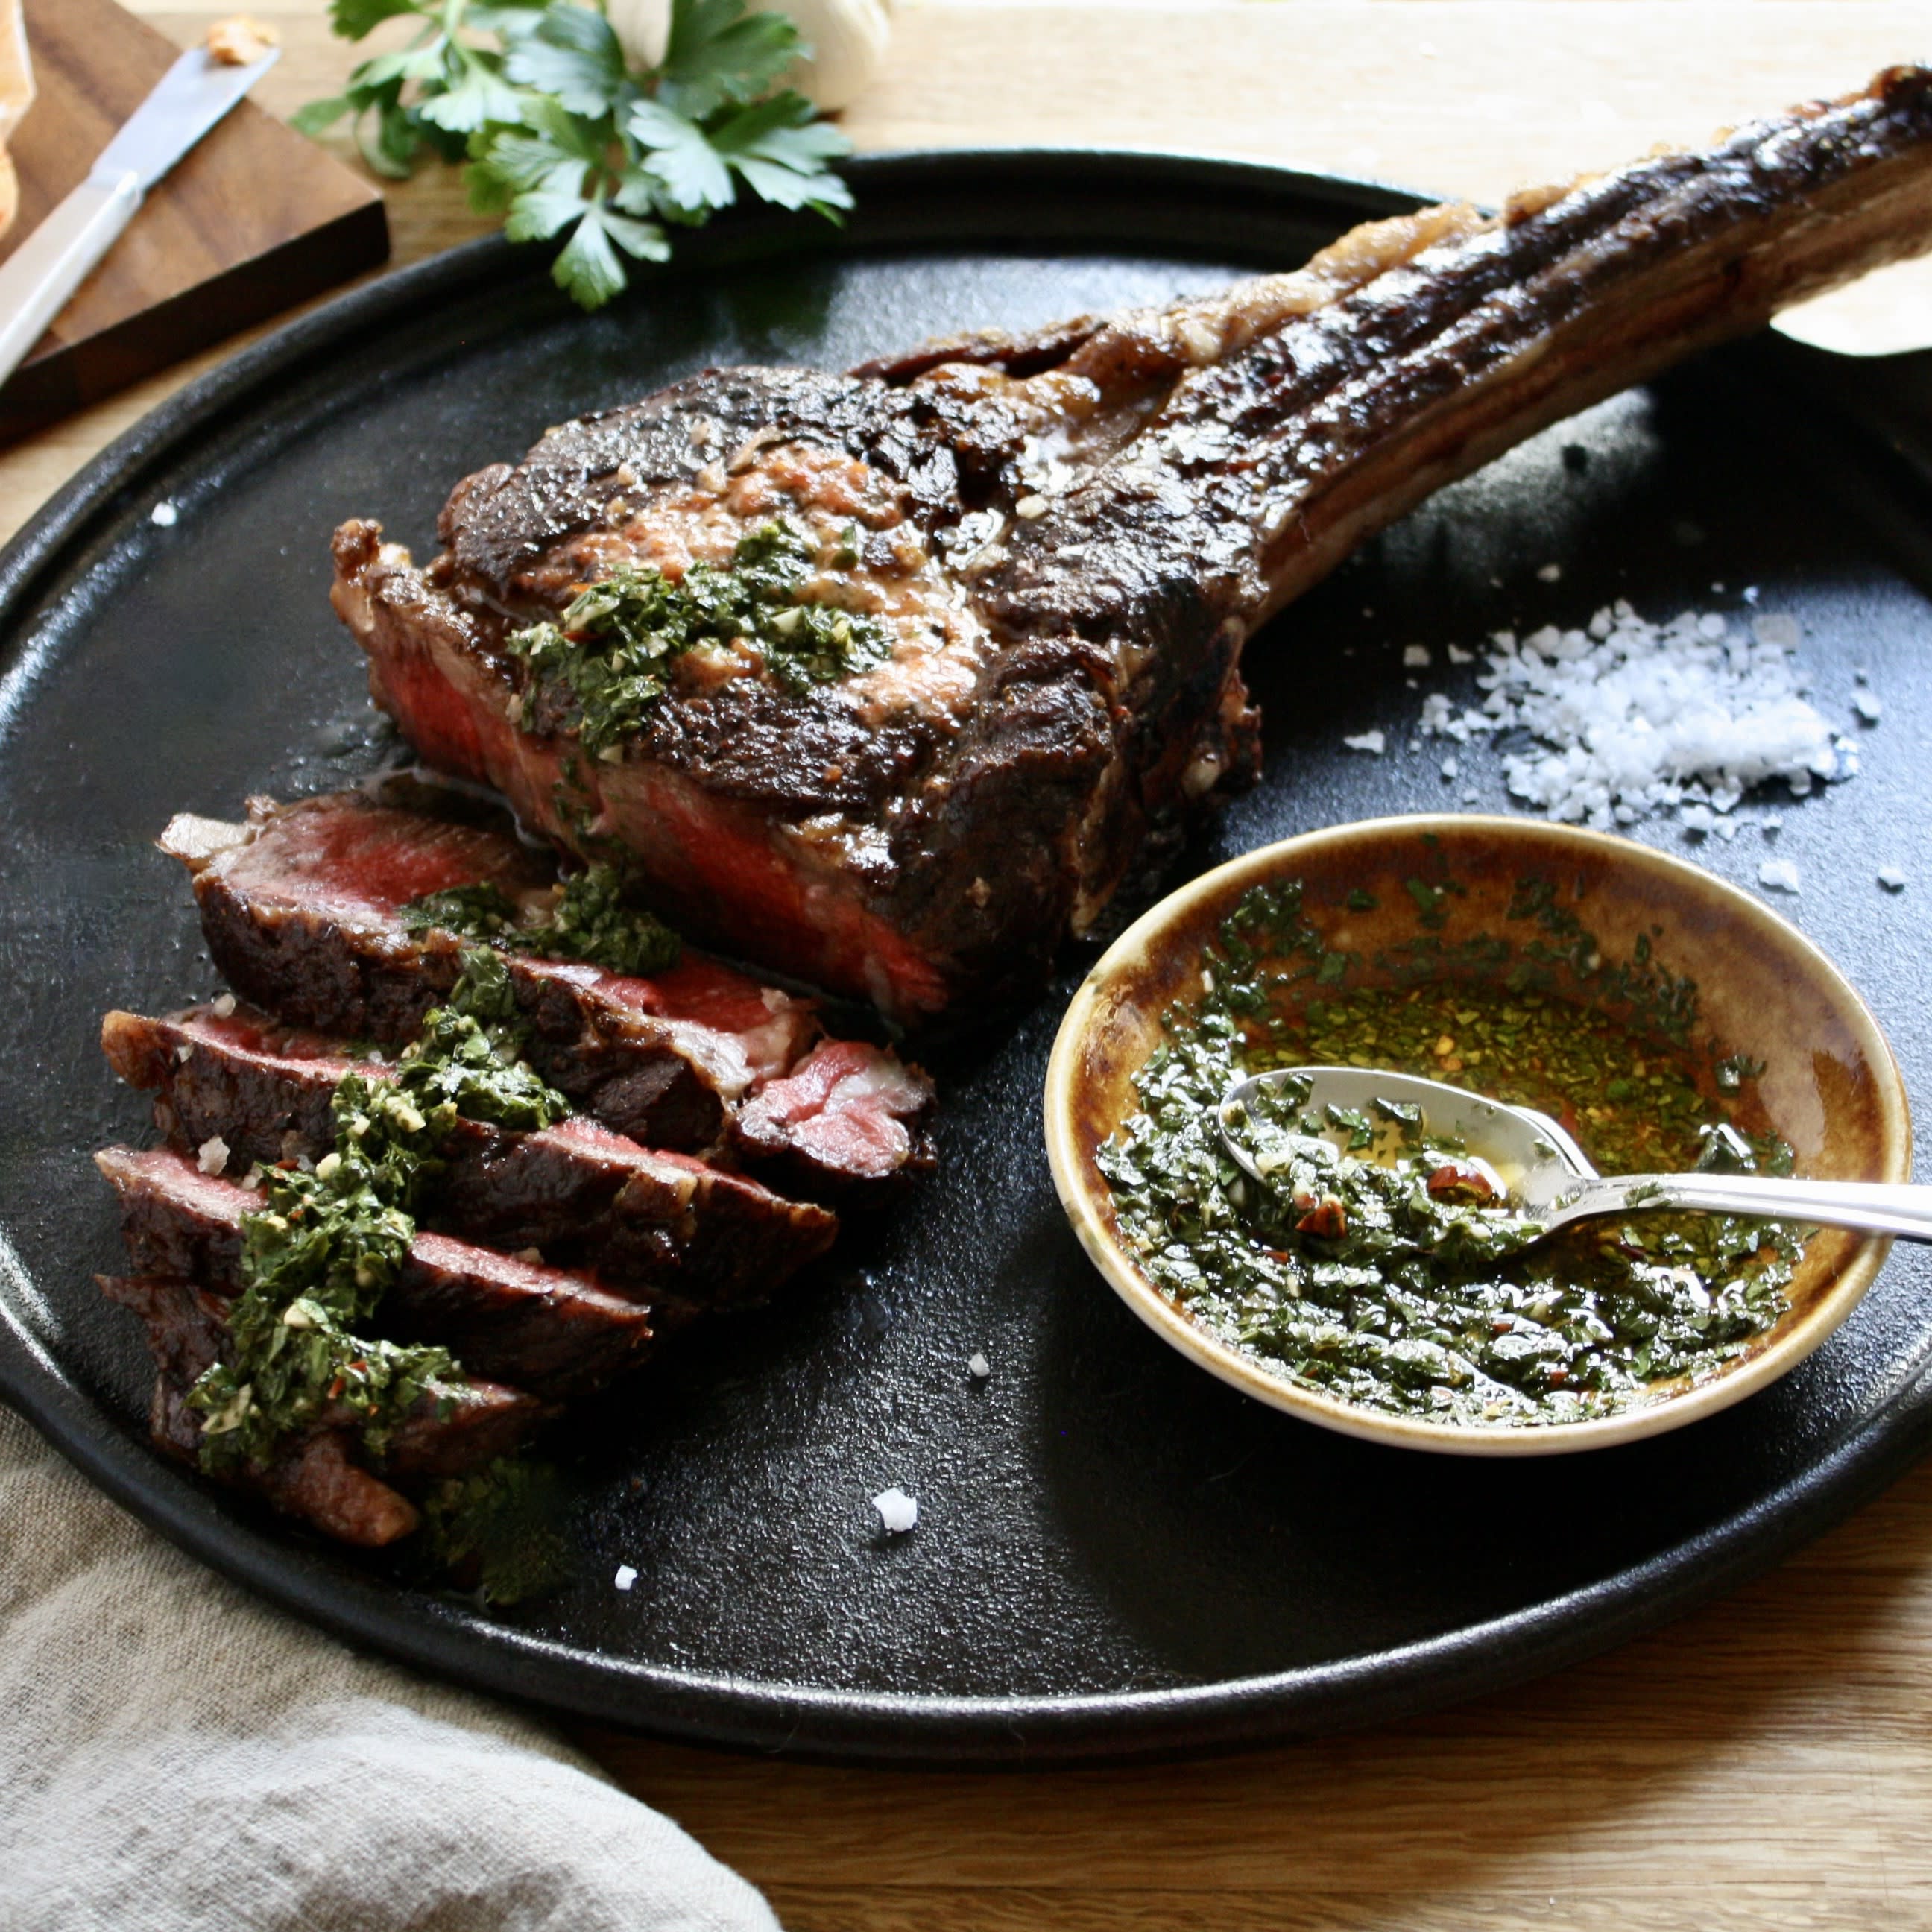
{"x": 561, "y": 135}
{"x": 718, "y": 54}
{"x": 679, "y": 155}
{"x": 478, "y": 95}
{"x": 315, "y": 117}
{"x": 582, "y": 139}
{"x": 588, "y": 270}
{"x": 780, "y": 148}
{"x": 537, "y": 215}
{"x": 572, "y": 54}
{"x": 350, "y": 19}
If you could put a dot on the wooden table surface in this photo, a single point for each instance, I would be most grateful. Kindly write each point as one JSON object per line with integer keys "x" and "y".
{"x": 1766, "y": 1762}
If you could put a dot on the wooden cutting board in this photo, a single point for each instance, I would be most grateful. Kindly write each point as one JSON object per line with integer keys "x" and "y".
{"x": 253, "y": 220}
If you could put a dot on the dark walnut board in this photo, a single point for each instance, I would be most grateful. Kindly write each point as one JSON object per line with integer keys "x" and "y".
{"x": 1115, "y": 1554}
{"x": 253, "y": 220}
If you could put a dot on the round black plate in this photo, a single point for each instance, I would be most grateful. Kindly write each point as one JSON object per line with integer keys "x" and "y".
{"x": 1115, "y": 1553}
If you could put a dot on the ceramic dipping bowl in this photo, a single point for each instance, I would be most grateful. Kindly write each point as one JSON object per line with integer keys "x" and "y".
{"x": 1830, "y": 1085}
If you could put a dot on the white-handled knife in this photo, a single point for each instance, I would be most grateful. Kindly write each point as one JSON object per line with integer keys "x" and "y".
{"x": 55, "y": 259}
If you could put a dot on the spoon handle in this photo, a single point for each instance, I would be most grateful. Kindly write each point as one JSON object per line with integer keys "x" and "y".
{"x": 1882, "y": 1208}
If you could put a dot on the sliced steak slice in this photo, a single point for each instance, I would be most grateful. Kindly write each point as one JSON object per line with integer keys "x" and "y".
{"x": 551, "y": 1330}
{"x": 684, "y": 1235}
{"x": 318, "y": 1478}
{"x": 845, "y": 1110}
{"x": 303, "y": 908}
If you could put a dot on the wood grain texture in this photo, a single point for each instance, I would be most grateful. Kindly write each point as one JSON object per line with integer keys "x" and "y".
{"x": 1766, "y": 1762}
{"x": 252, "y": 220}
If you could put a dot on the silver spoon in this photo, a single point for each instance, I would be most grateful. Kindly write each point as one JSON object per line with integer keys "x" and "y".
{"x": 1547, "y": 1177}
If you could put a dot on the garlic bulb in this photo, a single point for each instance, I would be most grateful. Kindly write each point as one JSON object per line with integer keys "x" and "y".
{"x": 848, "y": 39}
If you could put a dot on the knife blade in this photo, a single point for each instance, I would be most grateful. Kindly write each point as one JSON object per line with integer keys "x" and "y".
{"x": 57, "y": 257}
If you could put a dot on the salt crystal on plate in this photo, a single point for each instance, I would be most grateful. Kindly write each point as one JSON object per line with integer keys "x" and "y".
{"x": 624, "y": 1577}
{"x": 1550, "y": 572}
{"x": 1458, "y": 655}
{"x": 1450, "y": 768}
{"x": 1891, "y": 878}
{"x": 1631, "y": 717}
{"x": 1366, "y": 741}
{"x": 897, "y": 1510}
{"x": 1867, "y": 704}
{"x": 211, "y": 1156}
{"x": 978, "y": 1367}
{"x": 1778, "y": 875}
{"x": 1414, "y": 656}
{"x": 164, "y": 515}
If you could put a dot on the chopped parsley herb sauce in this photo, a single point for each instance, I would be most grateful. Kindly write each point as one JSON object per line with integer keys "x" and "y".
{"x": 1392, "y": 1280}
{"x": 318, "y": 1255}
{"x": 590, "y": 920}
{"x": 602, "y": 667}
{"x": 497, "y": 1526}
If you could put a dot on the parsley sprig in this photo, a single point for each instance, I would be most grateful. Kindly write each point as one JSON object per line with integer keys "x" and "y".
{"x": 563, "y": 137}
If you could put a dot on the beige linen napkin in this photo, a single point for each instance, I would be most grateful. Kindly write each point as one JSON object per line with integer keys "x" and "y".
{"x": 174, "y": 1754}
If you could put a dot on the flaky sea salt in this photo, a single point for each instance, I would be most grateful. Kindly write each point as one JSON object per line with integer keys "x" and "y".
{"x": 1415, "y": 657}
{"x": 1366, "y": 741}
{"x": 1778, "y": 875}
{"x": 624, "y": 1577}
{"x": 978, "y": 1367}
{"x": 164, "y": 515}
{"x": 1891, "y": 878}
{"x": 1868, "y": 705}
{"x": 223, "y": 1006}
{"x": 211, "y": 1156}
{"x": 897, "y": 1510}
{"x": 1623, "y": 717}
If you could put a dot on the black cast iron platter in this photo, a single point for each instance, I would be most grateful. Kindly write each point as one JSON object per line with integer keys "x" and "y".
{"x": 1115, "y": 1555}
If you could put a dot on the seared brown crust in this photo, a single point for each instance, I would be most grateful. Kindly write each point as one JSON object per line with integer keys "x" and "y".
{"x": 551, "y": 1330}
{"x": 659, "y": 1225}
{"x": 1215, "y": 460}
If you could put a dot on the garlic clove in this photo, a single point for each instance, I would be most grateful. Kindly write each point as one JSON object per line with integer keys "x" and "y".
{"x": 848, "y": 39}
{"x": 642, "y": 28}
